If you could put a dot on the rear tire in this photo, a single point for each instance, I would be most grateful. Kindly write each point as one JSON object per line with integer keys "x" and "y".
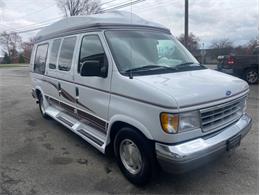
{"x": 135, "y": 156}
{"x": 252, "y": 76}
{"x": 42, "y": 107}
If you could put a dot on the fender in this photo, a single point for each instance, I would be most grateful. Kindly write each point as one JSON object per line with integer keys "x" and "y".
{"x": 40, "y": 89}
{"x": 131, "y": 121}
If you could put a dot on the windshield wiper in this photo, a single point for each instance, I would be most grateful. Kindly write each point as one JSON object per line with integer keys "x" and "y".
{"x": 147, "y": 68}
{"x": 186, "y": 64}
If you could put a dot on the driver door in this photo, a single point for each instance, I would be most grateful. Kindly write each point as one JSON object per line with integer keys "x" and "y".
{"x": 92, "y": 92}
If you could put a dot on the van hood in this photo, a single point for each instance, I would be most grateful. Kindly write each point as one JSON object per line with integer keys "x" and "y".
{"x": 196, "y": 87}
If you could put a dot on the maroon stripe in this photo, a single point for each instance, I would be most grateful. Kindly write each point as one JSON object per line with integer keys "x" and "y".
{"x": 91, "y": 120}
{"x": 117, "y": 94}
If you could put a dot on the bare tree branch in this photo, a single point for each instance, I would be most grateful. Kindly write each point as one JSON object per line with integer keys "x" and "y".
{"x": 221, "y": 44}
{"x": 79, "y": 7}
{"x": 10, "y": 43}
{"x": 193, "y": 41}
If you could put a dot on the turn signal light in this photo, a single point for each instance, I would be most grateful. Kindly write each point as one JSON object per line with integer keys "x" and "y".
{"x": 169, "y": 122}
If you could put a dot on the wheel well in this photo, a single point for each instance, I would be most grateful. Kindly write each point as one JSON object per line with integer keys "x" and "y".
{"x": 116, "y": 126}
{"x": 251, "y": 68}
{"x": 38, "y": 92}
{"x": 247, "y": 69}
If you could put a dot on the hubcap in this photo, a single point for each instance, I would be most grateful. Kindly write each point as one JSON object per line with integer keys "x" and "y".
{"x": 252, "y": 76}
{"x": 130, "y": 156}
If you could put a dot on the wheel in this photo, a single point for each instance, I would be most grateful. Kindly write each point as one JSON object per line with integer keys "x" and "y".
{"x": 251, "y": 76}
{"x": 135, "y": 156}
{"x": 42, "y": 107}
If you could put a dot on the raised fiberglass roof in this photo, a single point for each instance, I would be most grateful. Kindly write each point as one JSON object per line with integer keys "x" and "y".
{"x": 97, "y": 20}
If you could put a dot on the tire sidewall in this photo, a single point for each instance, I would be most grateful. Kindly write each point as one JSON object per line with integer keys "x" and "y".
{"x": 249, "y": 70}
{"x": 146, "y": 150}
{"x": 40, "y": 98}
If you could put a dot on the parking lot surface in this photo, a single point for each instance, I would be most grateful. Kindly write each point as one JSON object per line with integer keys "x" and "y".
{"x": 39, "y": 156}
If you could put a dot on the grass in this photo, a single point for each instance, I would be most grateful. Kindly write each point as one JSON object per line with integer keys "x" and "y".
{"x": 13, "y": 65}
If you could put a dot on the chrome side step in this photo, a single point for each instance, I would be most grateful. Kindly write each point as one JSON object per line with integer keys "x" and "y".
{"x": 88, "y": 133}
{"x": 64, "y": 120}
{"x": 93, "y": 138}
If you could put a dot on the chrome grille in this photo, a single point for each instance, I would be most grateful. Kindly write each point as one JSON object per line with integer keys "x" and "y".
{"x": 222, "y": 115}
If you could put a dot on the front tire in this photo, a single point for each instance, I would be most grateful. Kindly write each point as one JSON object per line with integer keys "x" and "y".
{"x": 251, "y": 76}
{"x": 135, "y": 155}
{"x": 42, "y": 107}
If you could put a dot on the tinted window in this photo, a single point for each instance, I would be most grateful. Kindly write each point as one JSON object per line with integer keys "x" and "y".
{"x": 54, "y": 54}
{"x": 40, "y": 58}
{"x": 66, "y": 53}
{"x": 91, "y": 49}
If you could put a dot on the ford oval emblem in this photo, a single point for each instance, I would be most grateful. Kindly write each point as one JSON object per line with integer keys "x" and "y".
{"x": 228, "y": 93}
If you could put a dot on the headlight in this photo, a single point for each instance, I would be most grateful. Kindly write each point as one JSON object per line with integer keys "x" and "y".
{"x": 175, "y": 123}
{"x": 189, "y": 121}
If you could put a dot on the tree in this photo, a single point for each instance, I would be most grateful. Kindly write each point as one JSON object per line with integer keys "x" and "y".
{"x": 27, "y": 49}
{"x": 192, "y": 43}
{"x": 221, "y": 47}
{"x": 21, "y": 58}
{"x": 252, "y": 45}
{"x": 221, "y": 44}
{"x": 79, "y": 7}
{"x": 10, "y": 43}
{"x": 6, "y": 59}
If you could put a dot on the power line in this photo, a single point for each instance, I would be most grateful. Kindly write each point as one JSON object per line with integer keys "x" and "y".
{"x": 107, "y": 2}
{"x": 40, "y": 10}
{"x": 56, "y": 17}
{"x": 125, "y": 5}
{"x": 40, "y": 23}
{"x": 38, "y": 26}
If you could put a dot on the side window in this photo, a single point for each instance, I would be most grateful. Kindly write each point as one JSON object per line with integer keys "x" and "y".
{"x": 54, "y": 53}
{"x": 66, "y": 53}
{"x": 40, "y": 58}
{"x": 92, "y": 50}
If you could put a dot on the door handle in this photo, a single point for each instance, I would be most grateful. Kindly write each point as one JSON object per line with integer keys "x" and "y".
{"x": 59, "y": 89}
{"x": 77, "y": 94}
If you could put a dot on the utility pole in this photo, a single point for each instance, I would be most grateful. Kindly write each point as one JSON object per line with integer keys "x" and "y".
{"x": 186, "y": 23}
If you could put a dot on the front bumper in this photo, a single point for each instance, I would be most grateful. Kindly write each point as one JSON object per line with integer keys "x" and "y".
{"x": 186, "y": 156}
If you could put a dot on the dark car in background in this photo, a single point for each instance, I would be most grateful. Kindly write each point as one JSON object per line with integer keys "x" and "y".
{"x": 243, "y": 66}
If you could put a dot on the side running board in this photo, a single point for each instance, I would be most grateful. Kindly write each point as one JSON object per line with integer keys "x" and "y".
{"x": 67, "y": 122}
{"x": 91, "y": 137}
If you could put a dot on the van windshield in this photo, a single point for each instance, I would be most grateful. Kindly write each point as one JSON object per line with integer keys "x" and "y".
{"x": 142, "y": 52}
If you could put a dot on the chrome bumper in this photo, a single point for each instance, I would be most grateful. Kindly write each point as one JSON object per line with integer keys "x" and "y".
{"x": 186, "y": 156}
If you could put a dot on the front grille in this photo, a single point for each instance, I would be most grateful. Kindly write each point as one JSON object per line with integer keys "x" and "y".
{"x": 220, "y": 116}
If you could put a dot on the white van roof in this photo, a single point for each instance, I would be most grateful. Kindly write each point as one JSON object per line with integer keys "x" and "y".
{"x": 106, "y": 20}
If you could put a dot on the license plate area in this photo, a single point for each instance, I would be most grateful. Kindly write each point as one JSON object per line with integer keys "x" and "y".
{"x": 233, "y": 142}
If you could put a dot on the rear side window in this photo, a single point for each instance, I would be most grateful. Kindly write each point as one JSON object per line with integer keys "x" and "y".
{"x": 40, "y": 58}
{"x": 54, "y": 53}
{"x": 92, "y": 49}
{"x": 66, "y": 53}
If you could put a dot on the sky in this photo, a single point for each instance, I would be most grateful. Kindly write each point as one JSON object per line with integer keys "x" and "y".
{"x": 209, "y": 20}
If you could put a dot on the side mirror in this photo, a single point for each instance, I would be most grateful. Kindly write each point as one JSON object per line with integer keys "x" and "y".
{"x": 93, "y": 68}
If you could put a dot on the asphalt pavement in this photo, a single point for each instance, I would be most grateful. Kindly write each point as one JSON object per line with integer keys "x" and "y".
{"x": 39, "y": 156}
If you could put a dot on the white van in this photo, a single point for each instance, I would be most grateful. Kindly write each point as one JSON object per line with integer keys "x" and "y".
{"x": 123, "y": 83}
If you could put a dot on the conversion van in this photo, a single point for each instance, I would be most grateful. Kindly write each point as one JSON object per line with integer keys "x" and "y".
{"x": 127, "y": 84}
